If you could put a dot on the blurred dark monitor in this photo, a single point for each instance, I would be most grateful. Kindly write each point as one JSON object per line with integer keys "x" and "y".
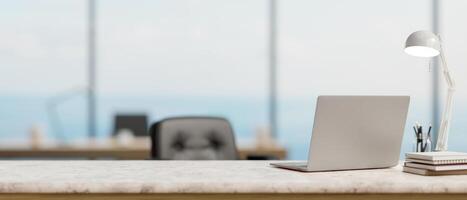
{"x": 136, "y": 123}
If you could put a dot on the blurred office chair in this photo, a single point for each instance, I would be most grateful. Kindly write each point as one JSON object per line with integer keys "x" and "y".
{"x": 193, "y": 138}
{"x": 137, "y": 124}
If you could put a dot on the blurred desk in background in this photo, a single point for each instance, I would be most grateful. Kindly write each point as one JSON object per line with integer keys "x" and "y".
{"x": 139, "y": 149}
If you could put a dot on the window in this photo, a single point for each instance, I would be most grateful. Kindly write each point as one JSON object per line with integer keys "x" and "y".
{"x": 177, "y": 58}
{"x": 454, "y": 40}
{"x": 42, "y": 49}
{"x": 348, "y": 47}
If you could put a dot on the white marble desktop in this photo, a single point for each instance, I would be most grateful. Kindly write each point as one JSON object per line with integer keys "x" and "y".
{"x": 208, "y": 177}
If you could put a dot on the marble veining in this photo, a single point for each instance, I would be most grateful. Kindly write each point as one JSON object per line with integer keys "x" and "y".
{"x": 208, "y": 177}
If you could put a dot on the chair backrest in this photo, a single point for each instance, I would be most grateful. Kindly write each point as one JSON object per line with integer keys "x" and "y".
{"x": 136, "y": 123}
{"x": 193, "y": 138}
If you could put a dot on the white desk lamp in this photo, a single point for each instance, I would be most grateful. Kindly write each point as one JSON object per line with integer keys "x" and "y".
{"x": 427, "y": 44}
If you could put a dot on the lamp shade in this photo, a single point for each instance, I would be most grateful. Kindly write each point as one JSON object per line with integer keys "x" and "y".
{"x": 423, "y": 44}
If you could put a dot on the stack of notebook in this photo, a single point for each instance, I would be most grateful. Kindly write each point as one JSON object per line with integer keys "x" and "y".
{"x": 436, "y": 163}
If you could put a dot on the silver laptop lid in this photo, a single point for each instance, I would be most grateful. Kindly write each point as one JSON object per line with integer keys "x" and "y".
{"x": 357, "y": 132}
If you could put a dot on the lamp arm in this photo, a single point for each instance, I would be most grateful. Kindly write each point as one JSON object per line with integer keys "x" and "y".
{"x": 52, "y": 112}
{"x": 441, "y": 143}
{"x": 447, "y": 73}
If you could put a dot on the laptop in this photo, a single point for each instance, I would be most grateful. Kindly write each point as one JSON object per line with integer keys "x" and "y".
{"x": 136, "y": 123}
{"x": 355, "y": 132}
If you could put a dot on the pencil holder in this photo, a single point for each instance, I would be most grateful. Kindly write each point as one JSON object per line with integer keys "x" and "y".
{"x": 423, "y": 143}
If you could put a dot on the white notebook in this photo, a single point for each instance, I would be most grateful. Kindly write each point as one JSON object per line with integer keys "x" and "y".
{"x": 436, "y": 167}
{"x": 426, "y": 172}
{"x": 436, "y": 162}
{"x": 439, "y": 158}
